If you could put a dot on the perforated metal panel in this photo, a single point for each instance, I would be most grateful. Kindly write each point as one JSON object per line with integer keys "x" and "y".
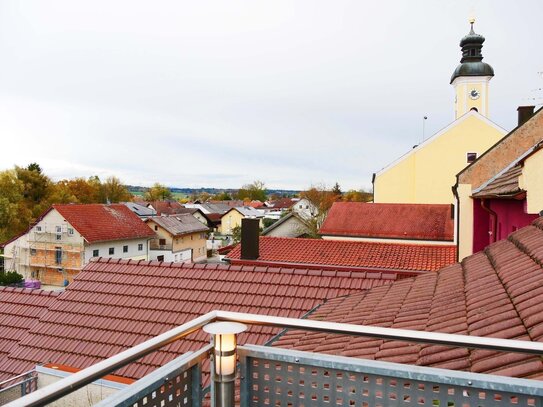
{"x": 277, "y": 380}
{"x": 175, "y": 392}
{"x": 178, "y": 383}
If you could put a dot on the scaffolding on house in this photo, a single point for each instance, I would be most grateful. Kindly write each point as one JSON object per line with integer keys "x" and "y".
{"x": 48, "y": 249}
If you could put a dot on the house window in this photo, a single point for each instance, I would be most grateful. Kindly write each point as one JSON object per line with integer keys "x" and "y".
{"x": 125, "y": 249}
{"x": 96, "y": 253}
{"x": 140, "y": 246}
{"x": 71, "y": 231}
{"x": 59, "y": 229}
{"x": 162, "y": 242}
{"x": 160, "y": 258}
{"x": 471, "y": 157}
{"x": 32, "y": 252}
{"x": 156, "y": 227}
{"x": 59, "y": 237}
{"x": 38, "y": 229}
{"x": 58, "y": 255}
{"x": 111, "y": 251}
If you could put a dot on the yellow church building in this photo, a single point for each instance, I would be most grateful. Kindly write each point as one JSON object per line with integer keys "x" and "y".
{"x": 427, "y": 173}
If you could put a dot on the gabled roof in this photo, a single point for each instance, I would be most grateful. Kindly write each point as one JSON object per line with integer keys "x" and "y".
{"x": 431, "y": 139}
{"x": 20, "y": 310}
{"x": 100, "y": 223}
{"x": 178, "y": 225}
{"x": 391, "y": 221}
{"x": 115, "y": 304}
{"x": 353, "y": 255}
{"x": 283, "y": 203}
{"x": 247, "y": 211}
{"x": 166, "y": 207}
{"x": 496, "y": 293}
{"x": 289, "y": 217}
{"x": 139, "y": 209}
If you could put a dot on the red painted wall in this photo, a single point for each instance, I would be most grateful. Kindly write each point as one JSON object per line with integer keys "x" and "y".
{"x": 511, "y": 216}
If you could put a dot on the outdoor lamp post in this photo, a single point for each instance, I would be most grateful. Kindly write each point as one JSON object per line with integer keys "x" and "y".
{"x": 224, "y": 367}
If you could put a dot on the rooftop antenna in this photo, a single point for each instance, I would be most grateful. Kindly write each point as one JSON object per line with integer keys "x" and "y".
{"x": 424, "y": 118}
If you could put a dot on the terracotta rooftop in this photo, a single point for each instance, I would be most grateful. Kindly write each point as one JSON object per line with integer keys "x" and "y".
{"x": 115, "y": 304}
{"x": 392, "y": 221}
{"x": 20, "y": 309}
{"x": 349, "y": 254}
{"x": 178, "y": 225}
{"x": 496, "y": 293}
{"x": 167, "y": 207}
{"x": 99, "y": 222}
{"x": 283, "y": 203}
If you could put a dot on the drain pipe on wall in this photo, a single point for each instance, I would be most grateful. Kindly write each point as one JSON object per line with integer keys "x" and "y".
{"x": 494, "y": 217}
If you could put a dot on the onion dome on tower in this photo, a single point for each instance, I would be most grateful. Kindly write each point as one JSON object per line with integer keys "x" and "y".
{"x": 472, "y": 63}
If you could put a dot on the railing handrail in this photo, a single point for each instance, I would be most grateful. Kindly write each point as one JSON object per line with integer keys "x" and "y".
{"x": 71, "y": 383}
{"x": 436, "y": 338}
{"x": 25, "y": 374}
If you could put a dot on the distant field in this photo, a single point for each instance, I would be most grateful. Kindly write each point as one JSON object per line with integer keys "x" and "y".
{"x": 176, "y": 195}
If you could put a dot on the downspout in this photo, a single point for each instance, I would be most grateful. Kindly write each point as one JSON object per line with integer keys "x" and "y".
{"x": 457, "y": 218}
{"x": 373, "y": 186}
{"x": 494, "y": 216}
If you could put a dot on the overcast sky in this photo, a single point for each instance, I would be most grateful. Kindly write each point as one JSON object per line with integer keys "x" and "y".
{"x": 220, "y": 93}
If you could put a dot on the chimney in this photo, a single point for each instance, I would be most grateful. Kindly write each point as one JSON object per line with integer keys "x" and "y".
{"x": 250, "y": 229}
{"x": 524, "y": 114}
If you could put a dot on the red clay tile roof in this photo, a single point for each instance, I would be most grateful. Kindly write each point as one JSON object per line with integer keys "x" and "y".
{"x": 496, "y": 293}
{"x": 167, "y": 207}
{"x": 115, "y": 304}
{"x": 283, "y": 203}
{"x": 393, "y": 221}
{"x": 350, "y": 254}
{"x": 20, "y": 310}
{"x": 98, "y": 222}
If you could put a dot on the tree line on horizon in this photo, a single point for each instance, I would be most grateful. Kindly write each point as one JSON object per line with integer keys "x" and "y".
{"x": 26, "y": 192}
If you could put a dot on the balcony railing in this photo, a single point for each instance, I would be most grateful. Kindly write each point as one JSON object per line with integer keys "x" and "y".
{"x": 18, "y": 386}
{"x": 280, "y": 377}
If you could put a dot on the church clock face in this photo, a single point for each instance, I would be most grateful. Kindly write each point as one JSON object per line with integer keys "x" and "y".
{"x": 474, "y": 94}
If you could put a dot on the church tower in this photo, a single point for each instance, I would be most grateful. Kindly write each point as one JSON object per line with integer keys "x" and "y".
{"x": 470, "y": 79}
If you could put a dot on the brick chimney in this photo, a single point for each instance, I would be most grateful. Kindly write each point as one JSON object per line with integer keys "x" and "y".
{"x": 524, "y": 114}
{"x": 250, "y": 229}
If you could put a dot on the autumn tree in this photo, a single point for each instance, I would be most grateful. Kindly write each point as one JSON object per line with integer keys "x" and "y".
{"x": 14, "y": 215}
{"x": 158, "y": 192}
{"x": 112, "y": 191}
{"x": 353, "y": 195}
{"x": 256, "y": 191}
{"x": 320, "y": 201}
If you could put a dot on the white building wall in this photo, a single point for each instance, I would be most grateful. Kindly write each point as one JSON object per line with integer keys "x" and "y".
{"x": 133, "y": 249}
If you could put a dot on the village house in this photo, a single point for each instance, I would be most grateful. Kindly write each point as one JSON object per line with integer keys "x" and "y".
{"x": 426, "y": 173}
{"x": 179, "y": 238}
{"x": 232, "y": 218}
{"x": 502, "y": 190}
{"x": 289, "y": 225}
{"x": 63, "y": 239}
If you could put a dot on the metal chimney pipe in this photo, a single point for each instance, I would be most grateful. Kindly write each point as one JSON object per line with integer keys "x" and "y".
{"x": 524, "y": 114}
{"x": 250, "y": 229}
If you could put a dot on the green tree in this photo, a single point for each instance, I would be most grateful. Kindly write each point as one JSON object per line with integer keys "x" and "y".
{"x": 336, "y": 190}
{"x": 256, "y": 191}
{"x": 158, "y": 192}
{"x": 222, "y": 196}
{"x": 112, "y": 191}
{"x": 14, "y": 213}
{"x": 236, "y": 234}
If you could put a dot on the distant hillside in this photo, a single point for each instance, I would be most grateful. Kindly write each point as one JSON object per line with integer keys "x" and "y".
{"x": 137, "y": 190}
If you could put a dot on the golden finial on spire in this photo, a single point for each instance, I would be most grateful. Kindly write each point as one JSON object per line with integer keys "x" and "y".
{"x": 472, "y": 21}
